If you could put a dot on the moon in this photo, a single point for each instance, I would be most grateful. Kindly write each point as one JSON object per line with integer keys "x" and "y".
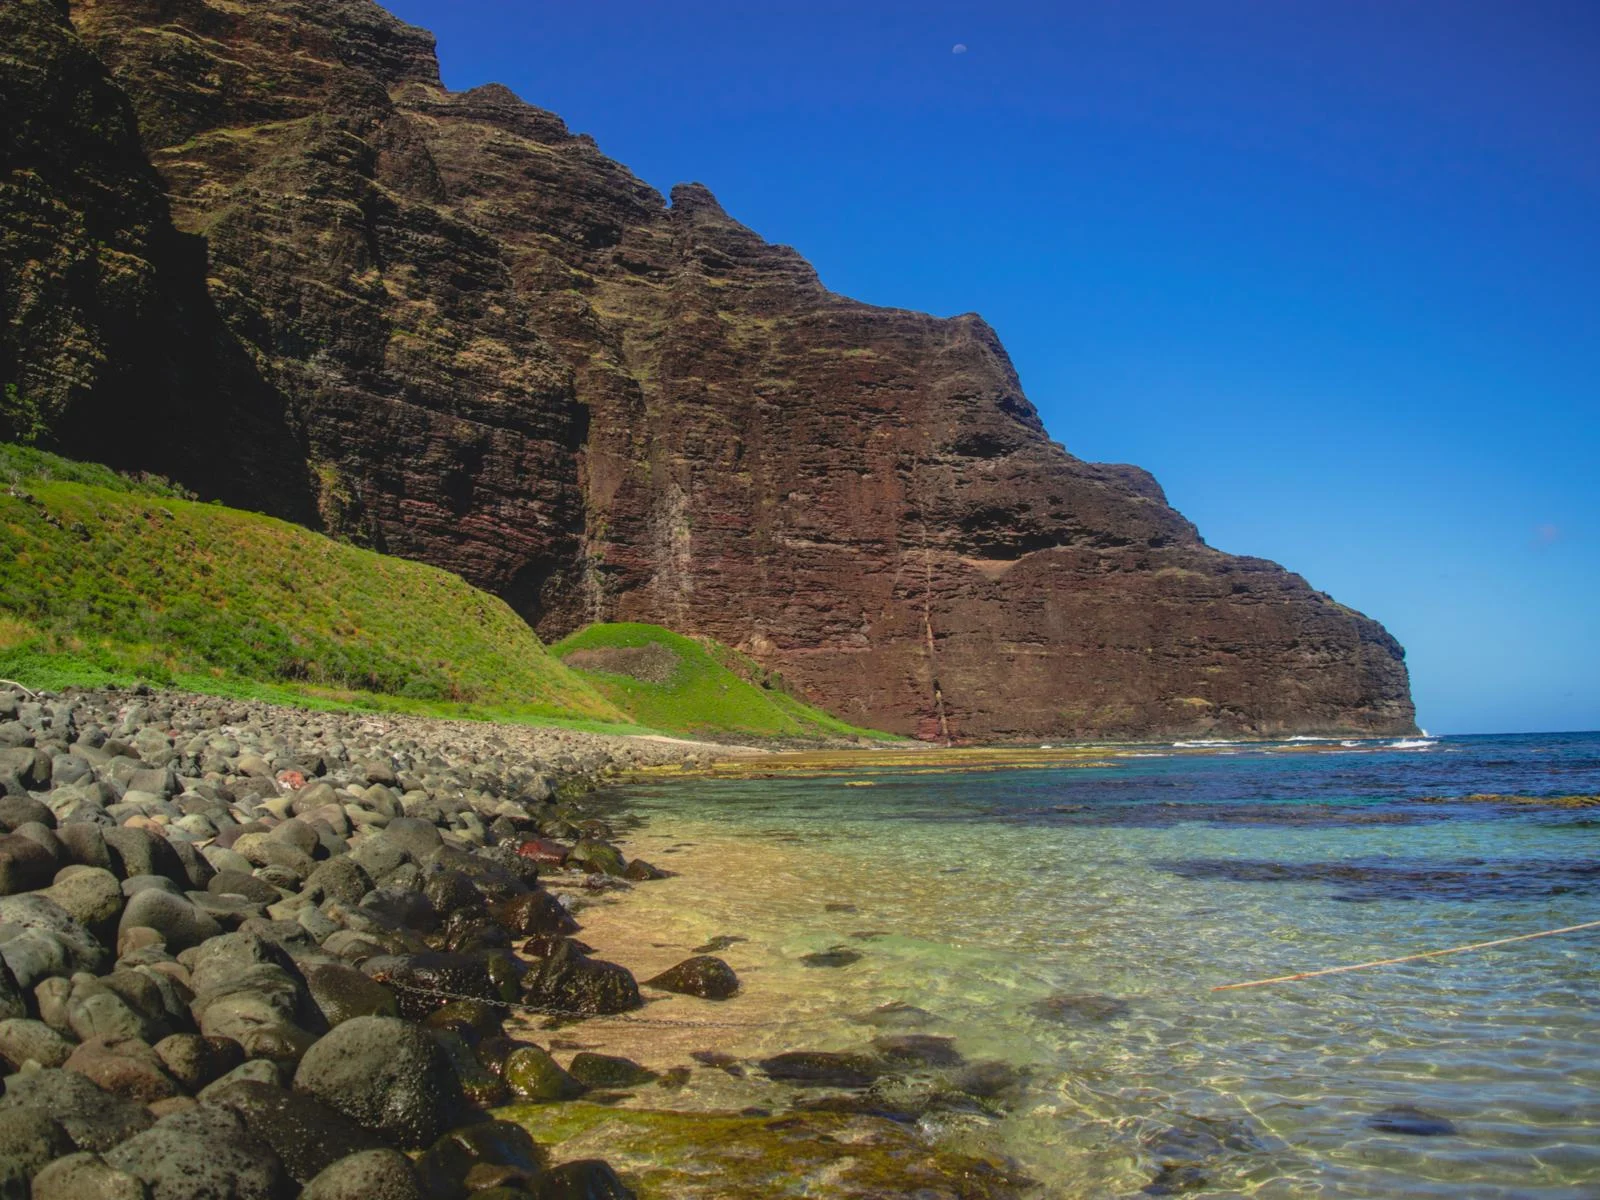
{"x": 959, "y": 48}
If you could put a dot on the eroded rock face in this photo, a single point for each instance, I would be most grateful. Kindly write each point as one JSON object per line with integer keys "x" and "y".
{"x": 487, "y": 346}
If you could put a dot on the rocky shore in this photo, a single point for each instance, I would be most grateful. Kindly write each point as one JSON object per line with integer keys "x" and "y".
{"x": 252, "y": 953}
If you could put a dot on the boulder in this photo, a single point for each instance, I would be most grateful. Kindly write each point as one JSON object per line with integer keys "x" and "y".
{"x": 569, "y": 982}
{"x": 469, "y": 1157}
{"x": 597, "y": 857}
{"x": 307, "y": 1135}
{"x": 424, "y": 982}
{"x": 95, "y": 1009}
{"x": 91, "y": 896}
{"x": 29, "y": 1140}
{"x": 23, "y": 1041}
{"x": 12, "y": 1002}
{"x": 479, "y": 1085}
{"x": 85, "y": 843}
{"x": 536, "y": 1078}
{"x": 238, "y": 883}
{"x": 196, "y": 1061}
{"x": 25, "y": 865}
{"x": 370, "y": 1175}
{"x": 387, "y": 1076}
{"x": 93, "y": 1118}
{"x": 533, "y": 913}
{"x": 584, "y": 1179}
{"x": 31, "y": 766}
{"x": 255, "y": 1070}
{"x": 176, "y": 918}
{"x": 86, "y": 1176}
{"x": 343, "y": 879}
{"x": 39, "y": 938}
{"x": 453, "y": 891}
{"x": 341, "y": 993}
{"x": 609, "y": 1071}
{"x": 312, "y": 797}
{"x": 126, "y": 1067}
{"x": 544, "y": 852}
{"x": 399, "y": 907}
{"x": 139, "y": 852}
{"x": 16, "y": 811}
{"x": 419, "y": 839}
{"x": 704, "y": 976}
{"x": 203, "y": 1153}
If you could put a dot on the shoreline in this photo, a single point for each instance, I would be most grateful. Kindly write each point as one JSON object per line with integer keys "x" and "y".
{"x": 266, "y": 950}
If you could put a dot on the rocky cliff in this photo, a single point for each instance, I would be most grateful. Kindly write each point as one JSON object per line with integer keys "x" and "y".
{"x": 259, "y": 247}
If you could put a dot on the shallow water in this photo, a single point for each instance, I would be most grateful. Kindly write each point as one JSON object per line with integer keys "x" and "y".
{"x": 1072, "y": 922}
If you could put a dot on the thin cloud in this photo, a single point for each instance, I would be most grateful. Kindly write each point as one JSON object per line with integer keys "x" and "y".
{"x": 959, "y": 48}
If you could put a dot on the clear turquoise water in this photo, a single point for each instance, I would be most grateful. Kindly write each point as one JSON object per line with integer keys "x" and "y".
{"x": 1147, "y": 883}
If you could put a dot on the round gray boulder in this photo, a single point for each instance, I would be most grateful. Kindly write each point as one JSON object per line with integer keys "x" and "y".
{"x": 370, "y": 1175}
{"x": 86, "y": 1176}
{"x": 203, "y": 1153}
{"x": 387, "y": 1076}
{"x": 176, "y": 918}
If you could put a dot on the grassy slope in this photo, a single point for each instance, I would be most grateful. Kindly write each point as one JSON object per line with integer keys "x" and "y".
{"x": 704, "y": 696}
{"x": 107, "y": 579}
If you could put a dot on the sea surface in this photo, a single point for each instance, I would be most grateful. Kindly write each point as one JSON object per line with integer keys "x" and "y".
{"x": 1071, "y": 923}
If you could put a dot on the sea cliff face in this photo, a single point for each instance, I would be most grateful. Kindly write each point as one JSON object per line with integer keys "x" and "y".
{"x": 443, "y": 325}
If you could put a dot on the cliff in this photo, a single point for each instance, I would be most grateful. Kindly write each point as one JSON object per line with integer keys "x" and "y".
{"x": 443, "y": 325}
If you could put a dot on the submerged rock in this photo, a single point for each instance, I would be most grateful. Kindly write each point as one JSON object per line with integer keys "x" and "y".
{"x": 822, "y": 1068}
{"x": 1412, "y": 1121}
{"x": 918, "y": 1050}
{"x": 1079, "y": 1006}
{"x": 897, "y": 1015}
{"x": 720, "y": 943}
{"x": 835, "y": 956}
{"x": 609, "y": 1071}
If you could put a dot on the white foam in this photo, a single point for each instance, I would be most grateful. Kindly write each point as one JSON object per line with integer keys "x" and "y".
{"x": 1306, "y": 737}
{"x": 1204, "y": 742}
{"x": 1412, "y": 744}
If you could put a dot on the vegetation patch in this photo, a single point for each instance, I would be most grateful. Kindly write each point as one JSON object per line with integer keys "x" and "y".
{"x": 704, "y": 1156}
{"x": 692, "y": 685}
{"x": 108, "y": 579}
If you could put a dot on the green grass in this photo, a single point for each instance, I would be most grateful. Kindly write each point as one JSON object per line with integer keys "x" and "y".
{"x": 108, "y": 579}
{"x": 712, "y": 690}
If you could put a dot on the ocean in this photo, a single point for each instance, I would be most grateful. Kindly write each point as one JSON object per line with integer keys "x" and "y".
{"x": 1070, "y": 924}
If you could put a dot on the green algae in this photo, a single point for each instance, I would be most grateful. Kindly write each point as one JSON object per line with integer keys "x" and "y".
{"x": 668, "y": 1155}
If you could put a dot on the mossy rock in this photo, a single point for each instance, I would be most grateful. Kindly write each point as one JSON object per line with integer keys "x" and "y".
{"x": 698, "y": 1156}
{"x": 533, "y": 1076}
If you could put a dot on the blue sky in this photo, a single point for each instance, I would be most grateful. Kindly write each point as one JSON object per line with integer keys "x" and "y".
{"x": 1330, "y": 270}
